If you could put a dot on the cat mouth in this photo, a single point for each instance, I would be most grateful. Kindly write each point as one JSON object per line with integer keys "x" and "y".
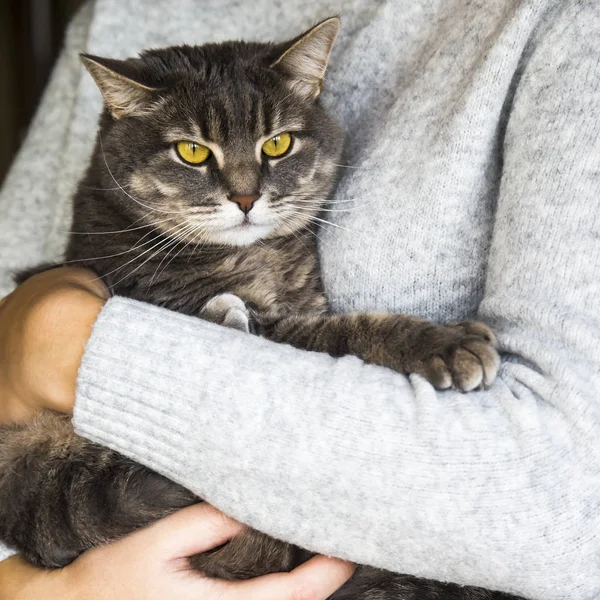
{"x": 244, "y": 233}
{"x": 246, "y": 223}
{"x": 242, "y": 226}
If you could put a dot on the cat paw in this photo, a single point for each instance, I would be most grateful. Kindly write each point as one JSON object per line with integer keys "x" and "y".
{"x": 227, "y": 310}
{"x": 460, "y": 356}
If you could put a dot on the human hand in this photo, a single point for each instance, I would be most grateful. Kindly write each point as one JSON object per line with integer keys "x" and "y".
{"x": 152, "y": 564}
{"x": 44, "y": 326}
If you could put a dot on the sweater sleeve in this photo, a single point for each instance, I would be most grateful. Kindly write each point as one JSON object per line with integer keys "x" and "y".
{"x": 498, "y": 488}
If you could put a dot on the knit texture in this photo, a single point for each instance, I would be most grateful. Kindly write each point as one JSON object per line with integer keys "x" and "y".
{"x": 473, "y": 189}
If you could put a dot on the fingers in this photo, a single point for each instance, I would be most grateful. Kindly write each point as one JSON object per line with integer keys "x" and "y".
{"x": 190, "y": 531}
{"x": 321, "y": 576}
{"x": 201, "y": 527}
{"x": 316, "y": 579}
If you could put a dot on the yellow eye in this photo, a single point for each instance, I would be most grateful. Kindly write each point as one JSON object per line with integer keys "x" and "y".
{"x": 192, "y": 153}
{"x": 278, "y": 145}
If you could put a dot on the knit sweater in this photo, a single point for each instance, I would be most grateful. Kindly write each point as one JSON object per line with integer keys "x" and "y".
{"x": 473, "y": 190}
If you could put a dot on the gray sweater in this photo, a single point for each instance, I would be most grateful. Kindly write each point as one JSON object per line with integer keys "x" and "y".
{"x": 473, "y": 134}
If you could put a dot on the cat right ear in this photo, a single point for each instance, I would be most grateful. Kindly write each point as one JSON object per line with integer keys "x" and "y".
{"x": 123, "y": 96}
{"x": 306, "y": 59}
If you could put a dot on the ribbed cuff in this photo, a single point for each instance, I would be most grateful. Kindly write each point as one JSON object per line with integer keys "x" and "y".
{"x": 137, "y": 383}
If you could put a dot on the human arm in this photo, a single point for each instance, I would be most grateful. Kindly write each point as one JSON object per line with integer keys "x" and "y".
{"x": 44, "y": 327}
{"x": 45, "y": 324}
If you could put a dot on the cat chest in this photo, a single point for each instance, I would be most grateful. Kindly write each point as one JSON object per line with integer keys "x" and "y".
{"x": 278, "y": 288}
{"x": 271, "y": 285}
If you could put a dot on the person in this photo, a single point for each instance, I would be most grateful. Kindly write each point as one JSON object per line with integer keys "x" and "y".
{"x": 471, "y": 190}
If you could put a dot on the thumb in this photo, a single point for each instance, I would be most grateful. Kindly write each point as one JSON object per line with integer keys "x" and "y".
{"x": 190, "y": 531}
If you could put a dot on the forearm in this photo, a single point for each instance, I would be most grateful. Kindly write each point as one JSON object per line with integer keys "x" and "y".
{"x": 182, "y": 396}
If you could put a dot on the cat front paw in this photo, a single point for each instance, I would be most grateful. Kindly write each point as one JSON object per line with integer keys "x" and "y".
{"x": 460, "y": 356}
{"x": 228, "y": 310}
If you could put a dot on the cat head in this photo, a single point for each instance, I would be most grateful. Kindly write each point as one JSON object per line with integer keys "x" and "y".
{"x": 222, "y": 143}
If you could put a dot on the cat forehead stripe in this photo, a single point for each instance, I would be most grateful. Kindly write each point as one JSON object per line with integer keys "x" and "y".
{"x": 193, "y": 134}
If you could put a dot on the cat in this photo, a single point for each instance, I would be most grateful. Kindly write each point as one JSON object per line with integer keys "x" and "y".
{"x": 211, "y": 166}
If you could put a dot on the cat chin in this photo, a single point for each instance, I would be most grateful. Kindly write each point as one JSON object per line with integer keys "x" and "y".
{"x": 243, "y": 235}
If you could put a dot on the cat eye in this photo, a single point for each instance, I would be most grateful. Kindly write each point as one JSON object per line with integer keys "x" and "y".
{"x": 192, "y": 153}
{"x": 278, "y": 145}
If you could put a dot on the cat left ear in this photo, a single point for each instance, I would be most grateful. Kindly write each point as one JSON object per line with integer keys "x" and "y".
{"x": 123, "y": 96}
{"x": 306, "y": 59}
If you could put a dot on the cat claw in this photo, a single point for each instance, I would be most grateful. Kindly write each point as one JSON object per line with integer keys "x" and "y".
{"x": 227, "y": 310}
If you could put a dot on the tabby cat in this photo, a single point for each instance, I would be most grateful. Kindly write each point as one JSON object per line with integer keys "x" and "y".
{"x": 210, "y": 169}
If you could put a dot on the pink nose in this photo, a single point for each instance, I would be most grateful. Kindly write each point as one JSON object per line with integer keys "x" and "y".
{"x": 245, "y": 202}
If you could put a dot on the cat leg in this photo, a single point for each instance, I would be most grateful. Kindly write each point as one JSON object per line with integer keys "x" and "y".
{"x": 227, "y": 310}
{"x": 460, "y": 355}
{"x": 251, "y": 554}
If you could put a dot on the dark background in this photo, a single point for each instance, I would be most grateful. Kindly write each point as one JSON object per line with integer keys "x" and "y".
{"x": 31, "y": 36}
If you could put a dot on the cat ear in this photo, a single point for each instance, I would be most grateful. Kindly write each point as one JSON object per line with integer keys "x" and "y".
{"x": 306, "y": 59}
{"x": 124, "y": 96}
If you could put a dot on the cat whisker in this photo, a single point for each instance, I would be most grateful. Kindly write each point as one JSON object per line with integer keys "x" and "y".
{"x": 120, "y": 187}
{"x": 161, "y": 247}
{"x": 196, "y": 233}
{"x": 158, "y": 244}
{"x": 329, "y": 201}
{"x": 126, "y": 230}
{"x": 351, "y": 166}
{"x": 96, "y": 189}
{"x": 287, "y": 227}
{"x": 174, "y": 243}
{"x": 137, "y": 245}
{"x": 197, "y": 246}
{"x": 324, "y": 221}
{"x": 311, "y": 206}
{"x": 316, "y": 234}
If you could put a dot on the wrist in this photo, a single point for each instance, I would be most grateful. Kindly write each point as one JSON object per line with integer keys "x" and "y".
{"x": 21, "y": 581}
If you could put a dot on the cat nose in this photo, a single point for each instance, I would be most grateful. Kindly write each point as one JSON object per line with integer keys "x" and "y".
{"x": 245, "y": 202}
